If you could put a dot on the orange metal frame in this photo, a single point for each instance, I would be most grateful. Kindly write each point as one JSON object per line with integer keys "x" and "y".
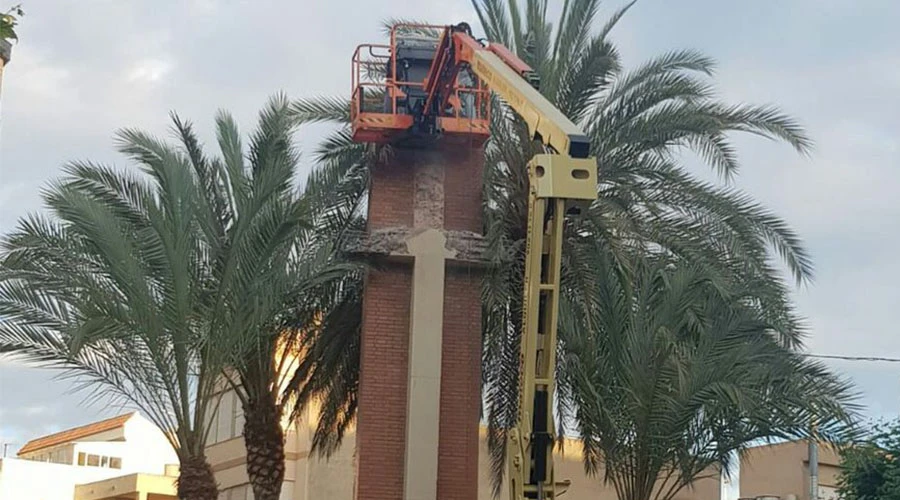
{"x": 379, "y": 126}
{"x": 368, "y": 125}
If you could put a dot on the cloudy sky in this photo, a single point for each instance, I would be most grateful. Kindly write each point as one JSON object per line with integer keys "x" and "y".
{"x": 85, "y": 69}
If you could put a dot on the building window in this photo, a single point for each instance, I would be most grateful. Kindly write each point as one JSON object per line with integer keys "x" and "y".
{"x": 228, "y": 420}
{"x": 92, "y": 460}
{"x": 223, "y": 417}
{"x": 237, "y": 418}
{"x": 244, "y": 492}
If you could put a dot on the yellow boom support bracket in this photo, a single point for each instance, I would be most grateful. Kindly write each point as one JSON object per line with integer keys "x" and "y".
{"x": 554, "y": 181}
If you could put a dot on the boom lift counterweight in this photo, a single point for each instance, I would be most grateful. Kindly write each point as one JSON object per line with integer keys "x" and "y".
{"x": 407, "y": 108}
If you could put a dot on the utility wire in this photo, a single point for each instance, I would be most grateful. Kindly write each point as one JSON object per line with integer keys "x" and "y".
{"x": 854, "y": 358}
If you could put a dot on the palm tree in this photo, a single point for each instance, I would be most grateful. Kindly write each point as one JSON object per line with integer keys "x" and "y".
{"x": 114, "y": 287}
{"x": 160, "y": 285}
{"x": 680, "y": 371}
{"x": 639, "y": 122}
{"x": 293, "y": 276}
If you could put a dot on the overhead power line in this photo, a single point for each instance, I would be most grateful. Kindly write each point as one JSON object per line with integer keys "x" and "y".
{"x": 854, "y": 358}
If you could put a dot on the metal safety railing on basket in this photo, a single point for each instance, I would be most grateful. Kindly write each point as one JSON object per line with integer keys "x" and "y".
{"x": 365, "y": 74}
{"x": 375, "y": 89}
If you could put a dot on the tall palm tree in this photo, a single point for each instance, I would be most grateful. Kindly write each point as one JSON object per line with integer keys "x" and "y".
{"x": 639, "y": 122}
{"x": 162, "y": 285}
{"x": 680, "y": 371}
{"x": 295, "y": 276}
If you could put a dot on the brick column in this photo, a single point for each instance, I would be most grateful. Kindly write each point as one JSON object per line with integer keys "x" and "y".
{"x": 417, "y": 433}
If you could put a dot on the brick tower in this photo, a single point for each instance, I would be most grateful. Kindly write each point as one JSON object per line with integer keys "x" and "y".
{"x": 417, "y": 433}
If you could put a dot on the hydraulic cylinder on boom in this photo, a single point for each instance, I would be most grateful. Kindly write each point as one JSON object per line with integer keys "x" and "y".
{"x": 415, "y": 105}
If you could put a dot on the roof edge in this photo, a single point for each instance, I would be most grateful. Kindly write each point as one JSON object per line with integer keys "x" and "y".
{"x": 75, "y": 433}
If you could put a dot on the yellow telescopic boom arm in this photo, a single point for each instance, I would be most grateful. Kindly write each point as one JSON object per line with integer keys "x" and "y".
{"x": 557, "y": 179}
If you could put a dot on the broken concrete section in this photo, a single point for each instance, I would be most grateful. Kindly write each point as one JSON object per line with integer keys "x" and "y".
{"x": 464, "y": 247}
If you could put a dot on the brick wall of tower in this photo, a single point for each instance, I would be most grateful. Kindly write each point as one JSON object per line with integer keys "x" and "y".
{"x": 385, "y": 339}
{"x": 460, "y": 386}
{"x": 461, "y": 349}
{"x": 381, "y": 428}
{"x": 391, "y": 195}
{"x": 462, "y": 190}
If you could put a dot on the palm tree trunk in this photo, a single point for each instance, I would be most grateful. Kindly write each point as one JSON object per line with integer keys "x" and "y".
{"x": 196, "y": 480}
{"x": 264, "y": 440}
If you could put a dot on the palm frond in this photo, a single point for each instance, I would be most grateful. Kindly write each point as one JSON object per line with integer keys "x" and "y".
{"x": 321, "y": 109}
{"x": 572, "y": 35}
{"x": 409, "y": 27}
{"x": 681, "y": 376}
{"x": 495, "y": 23}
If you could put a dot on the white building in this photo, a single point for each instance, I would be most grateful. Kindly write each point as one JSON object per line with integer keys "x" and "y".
{"x": 87, "y": 462}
